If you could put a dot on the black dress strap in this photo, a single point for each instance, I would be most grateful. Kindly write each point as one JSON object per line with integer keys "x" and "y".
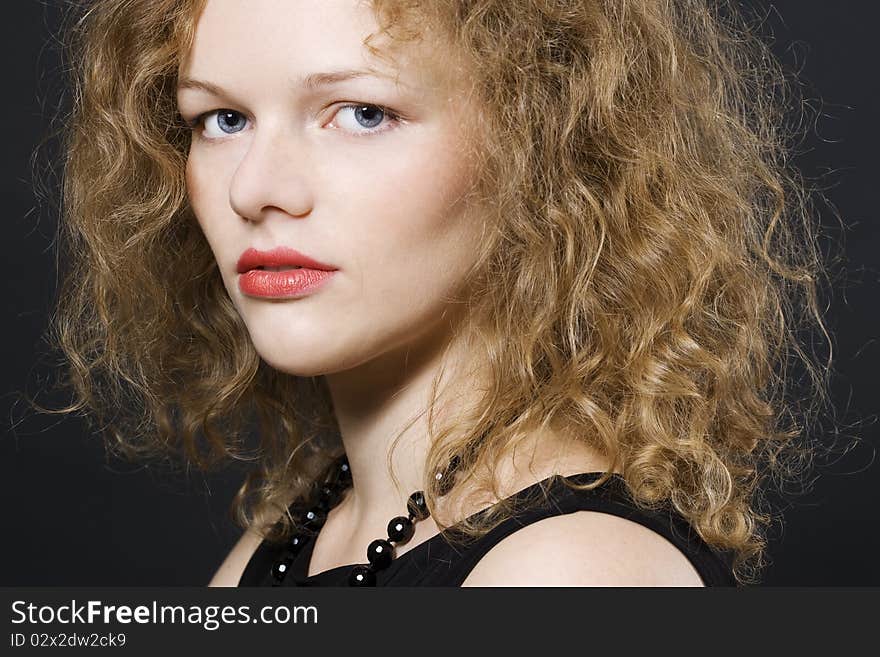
{"x": 445, "y": 560}
{"x": 452, "y": 563}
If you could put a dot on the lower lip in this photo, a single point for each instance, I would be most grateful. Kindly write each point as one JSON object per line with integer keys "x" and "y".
{"x": 282, "y": 284}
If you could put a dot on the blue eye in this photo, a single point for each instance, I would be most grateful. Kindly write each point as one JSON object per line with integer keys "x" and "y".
{"x": 228, "y": 121}
{"x": 367, "y": 116}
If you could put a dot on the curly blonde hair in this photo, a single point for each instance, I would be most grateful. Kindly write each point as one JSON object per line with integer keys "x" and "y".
{"x": 649, "y": 256}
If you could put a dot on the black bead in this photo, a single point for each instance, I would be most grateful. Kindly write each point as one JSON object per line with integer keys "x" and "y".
{"x": 328, "y": 496}
{"x": 297, "y": 508}
{"x": 417, "y": 506}
{"x": 338, "y": 472}
{"x": 446, "y": 478}
{"x": 279, "y": 570}
{"x": 343, "y": 470}
{"x": 314, "y": 518}
{"x": 401, "y": 529}
{"x": 295, "y": 543}
{"x": 380, "y": 553}
{"x": 361, "y": 576}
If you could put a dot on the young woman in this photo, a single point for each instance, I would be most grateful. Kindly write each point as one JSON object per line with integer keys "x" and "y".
{"x": 489, "y": 292}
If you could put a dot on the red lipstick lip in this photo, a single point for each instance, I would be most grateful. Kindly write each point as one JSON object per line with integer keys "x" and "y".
{"x": 280, "y": 256}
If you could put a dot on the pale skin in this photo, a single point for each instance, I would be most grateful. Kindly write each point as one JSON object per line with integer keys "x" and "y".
{"x": 384, "y": 204}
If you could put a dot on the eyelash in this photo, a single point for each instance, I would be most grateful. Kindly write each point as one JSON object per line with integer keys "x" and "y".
{"x": 394, "y": 119}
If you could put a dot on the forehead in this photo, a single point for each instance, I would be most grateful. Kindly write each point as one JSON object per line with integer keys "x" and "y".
{"x": 261, "y": 41}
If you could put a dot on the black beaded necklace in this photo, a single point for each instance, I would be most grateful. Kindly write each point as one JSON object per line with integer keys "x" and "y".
{"x": 326, "y": 494}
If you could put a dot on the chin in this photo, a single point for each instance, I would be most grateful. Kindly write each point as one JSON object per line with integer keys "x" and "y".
{"x": 304, "y": 353}
{"x": 295, "y": 357}
{"x": 293, "y": 365}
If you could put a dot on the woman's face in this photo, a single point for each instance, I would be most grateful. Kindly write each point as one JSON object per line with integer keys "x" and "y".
{"x": 289, "y": 154}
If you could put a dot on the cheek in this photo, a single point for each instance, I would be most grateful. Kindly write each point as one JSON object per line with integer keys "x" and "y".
{"x": 413, "y": 238}
{"x": 417, "y": 212}
{"x": 196, "y": 189}
{"x": 208, "y": 198}
{"x": 205, "y": 189}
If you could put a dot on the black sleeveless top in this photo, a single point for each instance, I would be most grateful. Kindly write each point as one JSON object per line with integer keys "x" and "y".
{"x": 441, "y": 562}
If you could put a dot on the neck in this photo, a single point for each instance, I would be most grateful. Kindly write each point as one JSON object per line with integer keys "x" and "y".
{"x": 388, "y": 396}
{"x": 379, "y": 400}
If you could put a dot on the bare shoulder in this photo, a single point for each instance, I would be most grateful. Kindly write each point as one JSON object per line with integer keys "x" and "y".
{"x": 584, "y": 548}
{"x": 233, "y": 566}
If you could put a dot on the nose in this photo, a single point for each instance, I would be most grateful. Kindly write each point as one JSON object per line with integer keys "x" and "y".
{"x": 271, "y": 177}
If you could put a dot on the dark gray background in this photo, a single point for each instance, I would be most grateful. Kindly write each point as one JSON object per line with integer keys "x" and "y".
{"x": 72, "y": 517}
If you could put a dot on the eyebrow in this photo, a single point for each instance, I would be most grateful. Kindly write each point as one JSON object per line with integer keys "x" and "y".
{"x": 311, "y": 81}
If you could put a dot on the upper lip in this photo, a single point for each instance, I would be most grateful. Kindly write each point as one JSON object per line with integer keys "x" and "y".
{"x": 280, "y": 256}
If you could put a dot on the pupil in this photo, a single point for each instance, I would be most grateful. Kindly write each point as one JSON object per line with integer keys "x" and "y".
{"x": 369, "y": 110}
